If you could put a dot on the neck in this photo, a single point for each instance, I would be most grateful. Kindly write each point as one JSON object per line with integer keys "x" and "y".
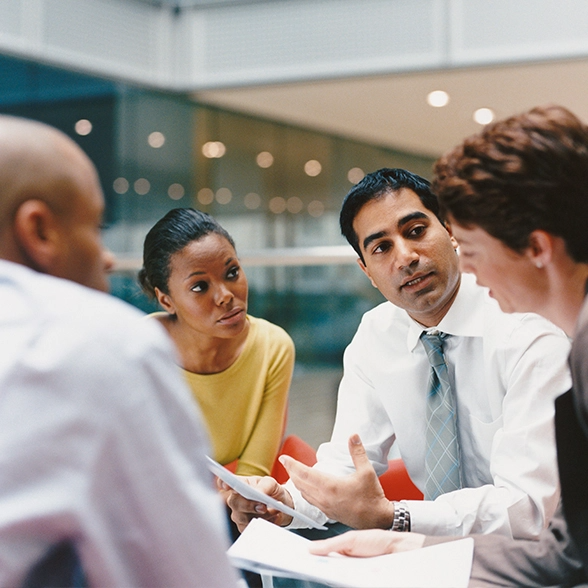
{"x": 206, "y": 355}
{"x": 566, "y": 295}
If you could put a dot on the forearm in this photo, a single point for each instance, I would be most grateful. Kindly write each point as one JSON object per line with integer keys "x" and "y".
{"x": 258, "y": 456}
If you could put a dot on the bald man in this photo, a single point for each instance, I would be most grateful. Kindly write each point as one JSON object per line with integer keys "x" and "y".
{"x": 101, "y": 447}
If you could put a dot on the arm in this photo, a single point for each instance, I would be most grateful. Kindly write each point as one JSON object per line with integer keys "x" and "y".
{"x": 549, "y": 561}
{"x": 167, "y": 525}
{"x": 359, "y": 412}
{"x": 258, "y": 456}
{"x": 498, "y": 560}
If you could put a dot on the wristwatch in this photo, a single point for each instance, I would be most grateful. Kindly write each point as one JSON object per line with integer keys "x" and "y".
{"x": 401, "y": 520}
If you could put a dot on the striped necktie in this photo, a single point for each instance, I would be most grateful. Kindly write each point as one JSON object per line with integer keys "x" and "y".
{"x": 442, "y": 457}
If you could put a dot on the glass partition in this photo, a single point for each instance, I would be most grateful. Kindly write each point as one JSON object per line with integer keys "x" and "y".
{"x": 275, "y": 188}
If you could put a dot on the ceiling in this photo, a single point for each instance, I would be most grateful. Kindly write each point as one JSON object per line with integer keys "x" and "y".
{"x": 392, "y": 110}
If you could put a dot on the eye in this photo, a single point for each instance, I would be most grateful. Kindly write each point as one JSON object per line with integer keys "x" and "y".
{"x": 234, "y": 272}
{"x": 199, "y": 287}
{"x": 417, "y": 231}
{"x": 381, "y": 247}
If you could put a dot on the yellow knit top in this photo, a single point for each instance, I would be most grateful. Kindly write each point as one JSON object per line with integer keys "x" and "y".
{"x": 244, "y": 407}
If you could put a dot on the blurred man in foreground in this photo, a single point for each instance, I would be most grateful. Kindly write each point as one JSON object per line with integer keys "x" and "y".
{"x": 100, "y": 448}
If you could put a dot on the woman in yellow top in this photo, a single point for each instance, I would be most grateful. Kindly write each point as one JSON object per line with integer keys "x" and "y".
{"x": 238, "y": 367}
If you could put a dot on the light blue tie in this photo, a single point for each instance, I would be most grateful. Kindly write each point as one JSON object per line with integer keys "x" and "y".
{"x": 442, "y": 457}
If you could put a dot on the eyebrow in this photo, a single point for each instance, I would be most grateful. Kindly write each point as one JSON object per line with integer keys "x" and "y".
{"x": 401, "y": 222}
{"x": 200, "y": 272}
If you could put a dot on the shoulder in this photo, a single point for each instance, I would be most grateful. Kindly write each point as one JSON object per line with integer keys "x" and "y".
{"x": 92, "y": 328}
{"x": 269, "y": 332}
{"x": 580, "y": 345}
{"x": 384, "y": 318}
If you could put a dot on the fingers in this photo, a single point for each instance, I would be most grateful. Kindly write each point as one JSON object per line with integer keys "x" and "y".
{"x": 358, "y": 454}
{"x": 243, "y": 510}
{"x": 340, "y": 544}
{"x": 368, "y": 543}
{"x": 294, "y": 468}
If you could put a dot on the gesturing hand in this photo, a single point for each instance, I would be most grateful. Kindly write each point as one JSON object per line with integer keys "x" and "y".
{"x": 356, "y": 500}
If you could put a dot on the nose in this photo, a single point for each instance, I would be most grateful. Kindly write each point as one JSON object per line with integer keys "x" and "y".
{"x": 108, "y": 259}
{"x": 223, "y": 295}
{"x": 406, "y": 255}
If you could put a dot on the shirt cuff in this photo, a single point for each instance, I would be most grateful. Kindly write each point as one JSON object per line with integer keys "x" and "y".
{"x": 430, "y": 517}
{"x": 305, "y": 508}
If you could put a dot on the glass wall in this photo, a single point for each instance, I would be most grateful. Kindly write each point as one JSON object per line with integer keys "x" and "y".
{"x": 271, "y": 185}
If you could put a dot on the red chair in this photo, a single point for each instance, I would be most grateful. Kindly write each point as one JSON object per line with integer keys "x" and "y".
{"x": 397, "y": 484}
{"x": 295, "y": 447}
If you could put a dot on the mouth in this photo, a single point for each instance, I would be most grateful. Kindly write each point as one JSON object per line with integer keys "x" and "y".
{"x": 231, "y": 317}
{"x": 415, "y": 282}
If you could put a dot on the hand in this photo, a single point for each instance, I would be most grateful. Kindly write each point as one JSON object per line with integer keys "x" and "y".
{"x": 243, "y": 510}
{"x": 368, "y": 543}
{"x": 357, "y": 500}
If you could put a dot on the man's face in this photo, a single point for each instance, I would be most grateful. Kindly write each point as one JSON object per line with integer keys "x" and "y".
{"x": 82, "y": 258}
{"x": 510, "y": 276}
{"x": 408, "y": 255}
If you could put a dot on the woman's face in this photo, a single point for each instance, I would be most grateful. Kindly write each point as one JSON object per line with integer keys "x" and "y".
{"x": 510, "y": 276}
{"x": 207, "y": 288}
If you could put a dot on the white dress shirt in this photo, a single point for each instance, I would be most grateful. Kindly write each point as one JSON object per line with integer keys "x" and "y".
{"x": 100, "y": 443}
{"x": 506, "y": 370}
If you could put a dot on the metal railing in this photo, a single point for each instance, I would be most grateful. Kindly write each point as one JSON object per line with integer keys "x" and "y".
{"x": 289, "y": 256}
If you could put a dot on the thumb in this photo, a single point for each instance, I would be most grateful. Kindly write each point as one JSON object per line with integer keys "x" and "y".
{"x": 358, "y": 454}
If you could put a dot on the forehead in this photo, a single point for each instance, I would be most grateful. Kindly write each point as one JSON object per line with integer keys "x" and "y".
{"x": 387, "y": 211}
{"x": 470, "y": 235}
{"x": 203, "y": 254}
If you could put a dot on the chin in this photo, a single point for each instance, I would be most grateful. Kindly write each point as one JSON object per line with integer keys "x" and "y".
{"x": 510, "y": 307}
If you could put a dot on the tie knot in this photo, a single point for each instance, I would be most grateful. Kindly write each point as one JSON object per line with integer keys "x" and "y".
{"x": 433, "y": 344}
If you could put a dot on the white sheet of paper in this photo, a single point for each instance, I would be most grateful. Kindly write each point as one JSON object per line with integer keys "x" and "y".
{"x": 269, "y": 549}
{"x": 252, "y": 493}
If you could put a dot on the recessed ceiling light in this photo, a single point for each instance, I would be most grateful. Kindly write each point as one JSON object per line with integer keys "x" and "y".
{"x": 83, "y": 127}
{"x": 483, "y": 116}
{"x": 438, "y": 98}
{"x": 312, "y": 168}
{"x": 156, "y": 139}
{"x": 213, "y": 149}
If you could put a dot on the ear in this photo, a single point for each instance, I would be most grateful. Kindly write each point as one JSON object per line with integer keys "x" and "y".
{"x": 36, "y": 234}
{"x": 448, "y": 228}
{"x": 165, "y": 301}
{"x": 365, "y": 270}
{"x": 541, "y": 248}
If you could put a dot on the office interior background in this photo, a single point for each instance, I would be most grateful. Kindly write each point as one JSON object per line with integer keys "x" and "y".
{"x": 264, "y": 113}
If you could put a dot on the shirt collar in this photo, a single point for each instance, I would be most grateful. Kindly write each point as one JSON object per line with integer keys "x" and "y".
{"x": 465, "y": 318}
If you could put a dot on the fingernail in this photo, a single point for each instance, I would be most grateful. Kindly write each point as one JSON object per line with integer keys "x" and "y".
{"x": 260, "y": 508}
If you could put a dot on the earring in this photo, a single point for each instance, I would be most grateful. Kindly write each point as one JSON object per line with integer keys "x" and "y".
{"x": 538, "y": 264}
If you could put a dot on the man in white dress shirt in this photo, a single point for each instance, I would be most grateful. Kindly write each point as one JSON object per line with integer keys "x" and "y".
{"x": 505, "y": 371}
{"x": 101, "y": 447}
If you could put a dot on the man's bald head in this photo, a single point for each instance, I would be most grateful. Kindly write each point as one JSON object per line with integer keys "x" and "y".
{"x": 51, "y": 204}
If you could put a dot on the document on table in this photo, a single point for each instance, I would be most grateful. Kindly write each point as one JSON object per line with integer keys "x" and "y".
{"x": 252, "y": 493}
{"x": 268, "y": 549}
